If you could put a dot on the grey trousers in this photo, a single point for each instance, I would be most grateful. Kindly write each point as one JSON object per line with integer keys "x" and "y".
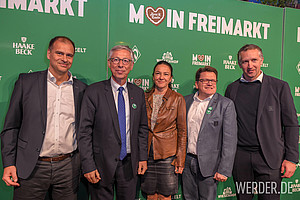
{"x": 194, "y": 185}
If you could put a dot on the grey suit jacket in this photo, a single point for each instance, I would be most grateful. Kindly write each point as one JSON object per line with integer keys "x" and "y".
{"x": 217, "y": 139}
{"x": 99, "y": 133}
{"x": 25, "y": 123}
{"x": 277, "y": 124}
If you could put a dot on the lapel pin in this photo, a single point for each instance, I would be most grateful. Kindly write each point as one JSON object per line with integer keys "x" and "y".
{"x": 209, "y": 109}
{"x": 134, "y": 106}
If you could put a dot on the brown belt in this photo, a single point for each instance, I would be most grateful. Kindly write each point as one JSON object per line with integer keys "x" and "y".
{"x": 57, "y": 158}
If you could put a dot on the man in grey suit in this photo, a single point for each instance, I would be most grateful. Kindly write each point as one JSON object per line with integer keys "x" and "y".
{"x": 38, "y": 141}
{"x": 212, "y": 138}
{"x": 113, "y": 132}
{"x": 268, "y": 130}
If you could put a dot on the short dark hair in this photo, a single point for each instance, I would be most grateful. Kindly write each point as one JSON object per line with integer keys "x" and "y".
{"x": 61, "y": 38}
{"x": 121, "y": 47}
{"x": 249, "y": 47}
{"x": 206, "y": 69}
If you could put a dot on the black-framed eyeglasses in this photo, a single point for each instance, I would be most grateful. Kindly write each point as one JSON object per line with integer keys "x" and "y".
{"x": 206, "y": 81}
{"x": 125, "y": 61}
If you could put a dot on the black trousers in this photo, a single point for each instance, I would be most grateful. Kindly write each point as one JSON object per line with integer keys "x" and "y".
{"x": 124, "y": 182}
{"x": 60, "y": 178}
{"x": 251, "y": 174}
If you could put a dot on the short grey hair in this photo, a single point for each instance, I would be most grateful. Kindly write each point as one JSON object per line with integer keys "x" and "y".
{"x": 121, "y": 47}
{"x": 249, "y": 47}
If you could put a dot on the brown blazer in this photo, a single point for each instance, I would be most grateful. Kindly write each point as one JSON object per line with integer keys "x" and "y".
{"x": 169, "y": 134}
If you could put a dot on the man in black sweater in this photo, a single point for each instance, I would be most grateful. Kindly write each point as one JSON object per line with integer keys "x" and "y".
{"x": 268, "y": 129}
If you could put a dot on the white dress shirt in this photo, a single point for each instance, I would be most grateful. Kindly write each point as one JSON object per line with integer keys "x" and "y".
{"x": 195, "y": 117}
{"x": 60, "y": 136}
{"x": 115, "y": 86}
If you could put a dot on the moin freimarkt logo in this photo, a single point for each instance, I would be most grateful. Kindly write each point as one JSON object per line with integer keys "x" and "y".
{"x": 229, "y": 64}
{"x": 167, "y": 56}
{"x": 137, "y": 53}
{"x": 227, "y": 192}
{"x": 23, "y": 48}
{"x": 143, "y": 83}
{"x": 201, "y": 59}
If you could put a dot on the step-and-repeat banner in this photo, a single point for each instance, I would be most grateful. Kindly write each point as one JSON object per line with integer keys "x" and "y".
{"x": 188, "y": 35}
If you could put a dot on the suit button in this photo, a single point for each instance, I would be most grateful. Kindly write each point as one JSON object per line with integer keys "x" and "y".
{"x": 37, "y": 149}
{"x": 43, "y": 132}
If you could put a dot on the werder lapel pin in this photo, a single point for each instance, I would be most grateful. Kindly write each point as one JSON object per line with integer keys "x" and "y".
{"x": 134, "y": 106}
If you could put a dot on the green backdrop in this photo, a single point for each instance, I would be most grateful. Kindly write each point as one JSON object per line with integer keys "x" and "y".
{"x": 188, "y": 34}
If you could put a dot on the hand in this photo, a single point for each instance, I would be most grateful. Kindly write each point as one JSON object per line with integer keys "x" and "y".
{"x": 219, "y": 177}
{"x": 287, "y": 169}
{"x": 142, "y": 167}
{"x": 178, "y": 170}
{"x": 93, "y": 176}
{"x": 10, "y": 176}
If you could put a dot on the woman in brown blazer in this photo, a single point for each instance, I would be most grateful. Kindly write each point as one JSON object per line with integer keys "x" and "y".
{"x": 166, "y": 113}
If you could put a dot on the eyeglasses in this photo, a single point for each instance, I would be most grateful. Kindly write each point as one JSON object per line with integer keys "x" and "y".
{"x": 125, "y": 61}
{"x": 205, "y": 81}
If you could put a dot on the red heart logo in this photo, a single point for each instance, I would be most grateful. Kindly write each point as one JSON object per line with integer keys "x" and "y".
{"x": 155, "y": 16}
{"x": 201, "y": 57}
{"x": 138, "y": 81}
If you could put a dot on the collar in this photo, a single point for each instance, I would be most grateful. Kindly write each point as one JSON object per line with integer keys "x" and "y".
{"x": 195, "y": 97}
{"x": 115, "y": 86}
{"x": 51, "y": 78}
{"x": 259, "y": 78}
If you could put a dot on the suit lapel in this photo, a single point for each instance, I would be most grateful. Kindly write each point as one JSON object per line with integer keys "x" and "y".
{"x": 112, "y": 107}
{"x": 209, "y": 111}
{"x": 264, "y": 92}
{"x": 132, "y": 105}
{"x": 42, "y": 79}
{"x": 76, "y": 96}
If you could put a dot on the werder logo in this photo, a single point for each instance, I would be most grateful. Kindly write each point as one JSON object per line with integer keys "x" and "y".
{"x": 201, "y": 59}
{"x": 136, "y": 52}
{"x": 178, "y": 19}
{"x": 23, "y": 48}
{"x": 155, "y": 16}
{"x": 298, "y": 67}
{"x": 227, "y": 192}
{"x": 167, "y": 57}
{"x": 229, "y": 64}
{"x": 265, "y": 65}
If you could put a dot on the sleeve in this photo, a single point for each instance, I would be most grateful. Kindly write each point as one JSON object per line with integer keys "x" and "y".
{"x": 143, "y": 132}
{"x": 290, "y": 124}
{"x": 12, "y": 126}
{"x": 181, "y": 133}
{"x": 229, "y": 140}
{"x": 85, "y": 136}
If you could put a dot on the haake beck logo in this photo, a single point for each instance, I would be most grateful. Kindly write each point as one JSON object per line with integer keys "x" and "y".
{"x": 155, "y": 16}
{"x": 23, "y": 48}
